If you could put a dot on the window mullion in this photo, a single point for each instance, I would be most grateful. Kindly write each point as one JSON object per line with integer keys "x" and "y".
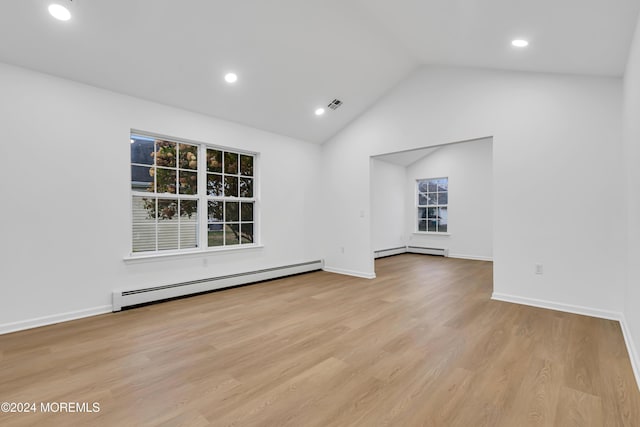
{"x": 202, "y": 197}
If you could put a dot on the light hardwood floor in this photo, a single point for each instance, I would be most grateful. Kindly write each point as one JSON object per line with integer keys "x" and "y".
{"x": 420, "y": 345}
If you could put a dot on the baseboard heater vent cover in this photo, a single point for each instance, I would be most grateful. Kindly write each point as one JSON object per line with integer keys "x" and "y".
{"x": 428, "y": 251}
{"x": 389, "y": 252}
{"x": 127, "y": 298}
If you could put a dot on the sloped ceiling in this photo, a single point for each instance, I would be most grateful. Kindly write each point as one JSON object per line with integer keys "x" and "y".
{"x": 566, "y": 36}
{"x": 407, "y": 158}
{"x": 293, "y": 56}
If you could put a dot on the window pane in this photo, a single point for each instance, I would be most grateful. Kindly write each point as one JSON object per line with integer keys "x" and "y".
{"x": 232, "y": 234}
{"x": 422, "y": 225}
{"x": 167, "y": 209}
{"x": 144, "y": 224}
{"x": 231, "y": 186}
{"x": 246, "y": 165}
{"x": 247, "y": 212}
{"x": 422, "y": 199}
{"x": 433, "y": 185}
{"x": 432, "y": 199}
{"x": 142, "y": 178}
{"x": 188, "y": 182}
{"x": 215, "y": 213}
{"x": 188, "y": 155}
{"x": 231, "y": 163}
{"x": 442, "y": 227}
{"x": 167, "y": 235}
{"x": 214, "y": 161}
{"x": 215, "y": 235}
{"x": 431, "y": 212}
{"x": 443, "y": 184}
{"x": 168, "y": 224}
{"x": 443, "y": 198}
{"x": 443, "y": 215}
{"x": 246, "y": 187}
{"x": 423, "y": 186}
{"x": 150, "y": 205}
{"x": 214, "y": 184}
{"x": 188, "y": 224}
{"x": 141, "y": 150}
{"x": 231, "y": 212}
{"x": 165, "y": 153}
{"x": 188, "y": 209}
{"x": 432, "y": 225}
{"x": 246, "y": 233}
{"x": 166, "y": 180}
{"x": 422, "y": 212}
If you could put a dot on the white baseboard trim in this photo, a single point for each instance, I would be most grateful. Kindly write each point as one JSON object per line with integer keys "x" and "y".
{"x": 551, "y": 305}
{"x": 631, "y": 349}
{"x": 350, "y": 273}
{"x": 472, "y": 257}
{"x": 21, "y": 325}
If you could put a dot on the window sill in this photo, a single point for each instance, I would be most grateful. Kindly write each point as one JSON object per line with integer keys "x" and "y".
{"x": 170, "y": 254}
{"x": 431, "y": 233}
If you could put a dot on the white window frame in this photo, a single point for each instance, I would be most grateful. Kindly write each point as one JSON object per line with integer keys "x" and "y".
{"x": 202, "y": 198}
{"x": 418, "y": 206}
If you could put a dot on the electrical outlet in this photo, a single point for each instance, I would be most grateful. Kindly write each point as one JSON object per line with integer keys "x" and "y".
{"x": 538, "y": 269}
{"x": 341, "y": 249}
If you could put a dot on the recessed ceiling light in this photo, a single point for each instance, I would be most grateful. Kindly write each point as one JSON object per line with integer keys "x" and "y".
{"x": 319, "y": 111}
{"x": 231, "y": 77}
{"x": 519, "y": 43}
{"x": 59, "y": 12}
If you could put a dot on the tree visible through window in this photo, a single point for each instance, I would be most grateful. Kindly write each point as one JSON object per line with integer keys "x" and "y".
{"x": 230, "y": 198}
{"x": 180, "y": 188}
{"x": 432, "y": 205}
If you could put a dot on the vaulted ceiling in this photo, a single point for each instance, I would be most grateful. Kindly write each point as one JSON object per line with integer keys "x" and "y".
{"x": 293, "y": 56}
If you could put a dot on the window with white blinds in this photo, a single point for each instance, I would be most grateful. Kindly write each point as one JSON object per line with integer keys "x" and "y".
{"x": 190, "y": 196}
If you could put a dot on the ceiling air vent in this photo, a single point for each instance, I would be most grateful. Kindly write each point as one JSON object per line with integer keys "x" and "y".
{"x": 335, "y": 104}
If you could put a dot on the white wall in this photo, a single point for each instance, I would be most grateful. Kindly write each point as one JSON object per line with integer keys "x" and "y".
{"x": 556, "y": 145}
{"x": 632, "y": 155}
{"x": 470, "y": 171}
{"x": 64, "y": 220}
{"x": 388, "y": 203}
{"x": 556, "y": 153}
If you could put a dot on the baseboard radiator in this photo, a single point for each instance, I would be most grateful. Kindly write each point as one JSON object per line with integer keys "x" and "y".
{"x": 428, "y": 251}
{"x": 127, "y": 298}
{"x": 412, "y": 250}
{"x": 389, "y": 252}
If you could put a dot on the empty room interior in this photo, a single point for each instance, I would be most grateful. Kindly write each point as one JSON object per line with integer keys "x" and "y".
{"x": 336, "y": 213}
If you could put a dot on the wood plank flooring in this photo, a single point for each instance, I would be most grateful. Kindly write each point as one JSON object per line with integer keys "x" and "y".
{"x": 421, "y": 345}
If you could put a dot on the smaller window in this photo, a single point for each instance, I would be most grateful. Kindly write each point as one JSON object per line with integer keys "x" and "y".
{"x": 432, "y": 200}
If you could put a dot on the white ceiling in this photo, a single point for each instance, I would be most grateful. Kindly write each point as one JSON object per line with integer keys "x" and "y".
{"x": 406, "y": 158}
{"x": 566, "y": 36}
{"x": 295, "y": 55}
